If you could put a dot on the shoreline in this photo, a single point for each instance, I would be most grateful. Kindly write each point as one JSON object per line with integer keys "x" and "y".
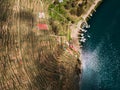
{"x": 85, "y": 17}
{"x": 92, "y": 9}
{"x": 76, "y": 29}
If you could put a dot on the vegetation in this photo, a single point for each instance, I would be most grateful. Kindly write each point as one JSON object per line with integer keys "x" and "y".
{"x": 64, "y": 13}
{"x": 66, "y": 9}
{"x": 33, "y": 59}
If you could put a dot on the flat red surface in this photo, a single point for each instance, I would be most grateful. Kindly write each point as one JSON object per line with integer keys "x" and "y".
{"x": 43, "y": 26}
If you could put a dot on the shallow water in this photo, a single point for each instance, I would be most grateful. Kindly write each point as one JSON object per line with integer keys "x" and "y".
{"x": 101, "y": 52}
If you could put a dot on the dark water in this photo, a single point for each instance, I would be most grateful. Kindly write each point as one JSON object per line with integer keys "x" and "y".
{"x": 101, "y": 52}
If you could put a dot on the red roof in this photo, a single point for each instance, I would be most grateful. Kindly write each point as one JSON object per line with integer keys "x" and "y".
{"x": 43, "y": 26}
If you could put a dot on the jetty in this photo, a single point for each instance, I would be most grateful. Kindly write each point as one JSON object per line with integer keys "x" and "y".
{"x": 80, "y": 24}
{"x": 91, "y": 9}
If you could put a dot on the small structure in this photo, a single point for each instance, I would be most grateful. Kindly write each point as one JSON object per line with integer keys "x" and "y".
{"x": 60, "y": 1}
{"x": 41, "y": 15}
{"x": 43, "y": 26}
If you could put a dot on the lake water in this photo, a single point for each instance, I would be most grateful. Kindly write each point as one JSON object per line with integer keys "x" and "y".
{"x": 101, "y": 52}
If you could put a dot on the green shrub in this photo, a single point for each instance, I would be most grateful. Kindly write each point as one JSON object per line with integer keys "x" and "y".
{"x": 73, "y": 11}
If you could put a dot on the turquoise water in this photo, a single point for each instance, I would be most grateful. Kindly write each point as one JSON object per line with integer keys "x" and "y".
{"x": 101, "y": 52}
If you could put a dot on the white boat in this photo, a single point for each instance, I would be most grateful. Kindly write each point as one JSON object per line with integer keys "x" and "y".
{"x": 88, "y": 36}
{"x": 83, "y": 40}
{"x": 87, "y": 26}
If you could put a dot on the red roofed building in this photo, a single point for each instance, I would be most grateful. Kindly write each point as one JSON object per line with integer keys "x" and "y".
{"x": 43, "y": 26}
